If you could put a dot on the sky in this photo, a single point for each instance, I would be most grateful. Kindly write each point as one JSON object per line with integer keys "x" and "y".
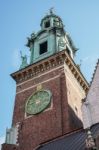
{"x": 18, "y": 19}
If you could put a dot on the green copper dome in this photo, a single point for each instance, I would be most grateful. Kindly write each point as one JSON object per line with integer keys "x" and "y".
{"x": 51, "y": 20}
{"x": 50, "y": 39}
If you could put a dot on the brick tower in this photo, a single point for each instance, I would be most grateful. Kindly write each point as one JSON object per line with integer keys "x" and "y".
{"x": 48, "y": 91}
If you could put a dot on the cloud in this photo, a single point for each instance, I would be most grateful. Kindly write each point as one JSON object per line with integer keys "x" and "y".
{"x": 2, "y": 140}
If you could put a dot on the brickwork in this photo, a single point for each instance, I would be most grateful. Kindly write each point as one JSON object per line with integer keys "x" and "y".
{"x": 49, "y": 124}
{"x": 52, "y": 83}
{"x": 9, "y": 147}
{"x": 60, "y": 118}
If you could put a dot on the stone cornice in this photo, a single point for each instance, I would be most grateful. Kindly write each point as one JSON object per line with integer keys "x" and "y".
{"x": 76, "y": 72}
{"x": 49, "y": 63}
{"x": 39, "y": 67}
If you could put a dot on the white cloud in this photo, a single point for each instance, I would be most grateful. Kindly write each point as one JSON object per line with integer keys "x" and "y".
{"x": 2, "y": 140}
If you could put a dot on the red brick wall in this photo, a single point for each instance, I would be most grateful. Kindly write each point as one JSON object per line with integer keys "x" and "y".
{"x": 9, "y": 147}
{"x": 49, "y": 124}
{"x": 64, "y": 105}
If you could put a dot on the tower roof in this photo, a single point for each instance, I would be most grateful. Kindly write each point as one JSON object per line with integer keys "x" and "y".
{"x": 56, "y": 18}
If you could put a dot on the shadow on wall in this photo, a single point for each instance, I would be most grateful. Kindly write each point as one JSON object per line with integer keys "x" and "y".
{"x": 74, "y": 121}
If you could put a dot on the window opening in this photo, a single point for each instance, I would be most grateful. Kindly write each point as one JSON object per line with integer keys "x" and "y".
{"x": 43, "y": 48}
{"x": 47, "y": 24}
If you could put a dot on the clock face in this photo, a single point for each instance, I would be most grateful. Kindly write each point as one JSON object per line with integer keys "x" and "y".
{"x": 38, "y": 102}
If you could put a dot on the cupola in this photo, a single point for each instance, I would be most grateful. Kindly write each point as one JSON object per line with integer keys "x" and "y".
{"x": 50, "y": 39}
{"x": 51, "y": 20}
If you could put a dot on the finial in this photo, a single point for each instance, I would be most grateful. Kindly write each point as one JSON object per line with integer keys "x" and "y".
{"x": 51, "y": 10}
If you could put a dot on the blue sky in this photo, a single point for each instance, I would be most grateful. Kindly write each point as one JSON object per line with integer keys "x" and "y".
{"x": 18, "y": 19}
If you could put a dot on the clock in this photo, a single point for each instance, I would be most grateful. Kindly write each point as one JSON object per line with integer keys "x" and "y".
{"x": 38, "y": 102}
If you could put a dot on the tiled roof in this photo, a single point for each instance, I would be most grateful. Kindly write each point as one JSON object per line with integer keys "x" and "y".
{"x": 94, "y": 72}
{"x": 90, "y": 107}
{"x": 74, "y": 141}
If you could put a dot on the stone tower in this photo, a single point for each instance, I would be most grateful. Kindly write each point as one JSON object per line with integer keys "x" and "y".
{"x": 48, "y": 91}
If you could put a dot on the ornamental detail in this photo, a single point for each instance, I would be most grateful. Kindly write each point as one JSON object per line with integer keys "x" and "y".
{"x": 38, "y": 102}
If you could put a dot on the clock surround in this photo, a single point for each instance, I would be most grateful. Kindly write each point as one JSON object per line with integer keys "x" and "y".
{"x": 38, "y": 102}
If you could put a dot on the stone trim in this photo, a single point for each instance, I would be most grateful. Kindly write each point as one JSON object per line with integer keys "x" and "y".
{"x": 76, "y": 72}
{"x": 39, "y": 67}
{"x": 37, "y": 84}
{"x": 45, "y": 73}
{"x": 49, "y": 63}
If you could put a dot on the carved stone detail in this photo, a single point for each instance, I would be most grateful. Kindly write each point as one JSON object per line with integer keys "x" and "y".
{"x": 49, "y": 63}
{"x": 90, "y": 142}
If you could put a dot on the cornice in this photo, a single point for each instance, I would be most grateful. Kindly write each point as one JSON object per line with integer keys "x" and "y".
{"x": 39, "y": 67}
{"x": 49, "y": 63}
{"x": 76, "y": 72}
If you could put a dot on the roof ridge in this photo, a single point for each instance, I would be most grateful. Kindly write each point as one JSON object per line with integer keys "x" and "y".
{"x": 94, "y": 72}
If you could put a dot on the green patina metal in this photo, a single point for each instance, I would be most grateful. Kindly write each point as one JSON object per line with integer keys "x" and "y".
{"x": 48, "y": 34}
{"x": 53, "y": 33}
{"x": 72, "y": 44}
{"x": 38, "y": 102}
{"x": 23, "y": 62}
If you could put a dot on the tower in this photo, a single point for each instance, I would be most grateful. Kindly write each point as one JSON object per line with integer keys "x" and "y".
{"x": 48, "y": 91}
